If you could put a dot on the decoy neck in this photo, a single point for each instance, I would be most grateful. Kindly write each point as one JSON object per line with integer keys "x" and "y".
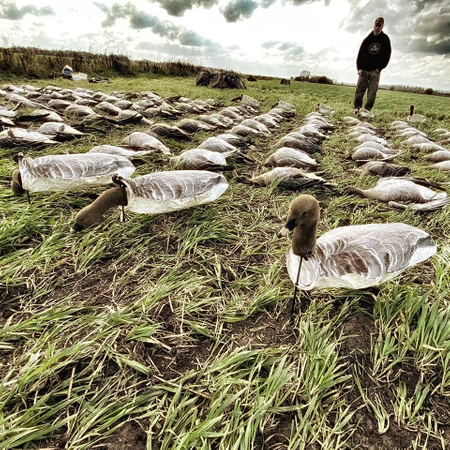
{"x": 94, "y": 212}
{"x": 361, "y": 192}
{"x": 411, "y": 110}
{"x": 16, "y": 183}
{"x": 303, "y": 218}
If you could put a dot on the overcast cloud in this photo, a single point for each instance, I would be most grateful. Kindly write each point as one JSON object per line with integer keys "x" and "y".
{"x": 262, "y": 37}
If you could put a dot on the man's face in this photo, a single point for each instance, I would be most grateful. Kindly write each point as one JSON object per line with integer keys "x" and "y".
{"x": 377, "y": 27}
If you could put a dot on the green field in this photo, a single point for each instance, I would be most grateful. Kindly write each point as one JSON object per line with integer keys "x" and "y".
{"x": 173, "y": 331}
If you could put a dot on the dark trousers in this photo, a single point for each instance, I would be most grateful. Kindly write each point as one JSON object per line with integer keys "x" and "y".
{"x": 368, "y": 80}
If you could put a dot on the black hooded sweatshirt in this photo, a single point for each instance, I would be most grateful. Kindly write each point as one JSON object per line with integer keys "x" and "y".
{"x": 374, "y": 53}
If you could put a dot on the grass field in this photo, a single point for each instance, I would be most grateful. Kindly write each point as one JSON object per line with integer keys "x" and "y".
{"x": 174, "y": 332}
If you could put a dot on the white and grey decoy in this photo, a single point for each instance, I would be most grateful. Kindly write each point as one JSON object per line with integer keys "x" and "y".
{"x": 290, "y": 157}
{"x": 22, "y": 137}
{"x": 401, "y": 189}
{"x": 58, "y": 130}
{"x": 289, "y": 178}
{"x": 202, "y": 159}
{"x": 383, "y": 169}
{"x": 438, "y": 156}
{"x": 415, "y": 118}
{"x": 354, "y": 257}
{"x": 155, "y": 193}
{"x": 324, "y": 109}
{"x": 114, "y": 150}
{"x": 59, "y": 173}
{"x": 145, "y": 141}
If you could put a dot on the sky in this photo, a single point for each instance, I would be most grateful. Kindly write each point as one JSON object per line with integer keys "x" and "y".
{"x": 279, "y": 38}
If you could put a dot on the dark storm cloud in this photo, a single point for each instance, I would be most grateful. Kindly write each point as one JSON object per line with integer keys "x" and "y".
{"x": 178, "y": 7}
{"x": 413, "y": 26}
{"x": 243, "y": 9}
{"x": 239, "y": 9}
{"x": 140, "y": 20}
{"x": 10, "y": 11}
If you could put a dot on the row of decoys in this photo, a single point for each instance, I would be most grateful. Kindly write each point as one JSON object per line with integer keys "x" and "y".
{"x": 395, "y": 189}
{"x": 293, "y": 159}
{"x": 55, "y": 106}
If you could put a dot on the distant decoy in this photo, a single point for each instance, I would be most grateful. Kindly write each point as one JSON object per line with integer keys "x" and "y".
{"x": 370, "y": 153}
{"x": 383, "y": 169}
{"x": 59, "y": 131}
{"x": 155, "y": 193}
{"x": 145, "y": 141}
{"x": 364, "y": 113}
{"x": 354, "y": 257}
{"x": 290, "y": 157}
{"x": 202, "y": 159}
{"x": 56, "y": 173}
{"x": 289, "y": 178}
{"x": 169, "y": 131}
{"x": 443, "y": 165}
{"x": 193, "y": 125}
{"x": 299, "y": 141}
{"x": 20, "y": 137}
{"x": 415, "y": 118}
{"x": 324, "y": 109}
{"x": 114, "y": 150}
{"x": 398, "y": 189}
{"x": 217, "y": 144}
{"x": 438, "y": 156}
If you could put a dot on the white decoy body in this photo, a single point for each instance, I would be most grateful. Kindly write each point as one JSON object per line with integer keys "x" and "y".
{"x": 59, "y": 173}
{"x": 145, "y": 141}
{"x": 438, "y": 156}
{"x": 354, "y": 257}
{"x": 113, "y": 150}
{"x": 56, "y": 130}
{"x": 290, "y": 157}
{"x": 397, "y": 189}
{"x": 156, "y": 193}
{"x": 202, "y": 159}
{"x": 415, "y": 118}
{"x": 289, "y": 178}
{"x": 23, "y": 137}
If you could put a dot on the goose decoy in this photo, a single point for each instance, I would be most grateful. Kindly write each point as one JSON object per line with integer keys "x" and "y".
{"x": 217, "y": 144}
{"x": 300, "y": 142}
{"x": 289, "y": 178}
{"x": 383, "y": 169}
{"x": 113, "y": 150}
{"x": 155, "y": 193}
{"x": 443, "y": 165}
{"x": 58, "y": 173}
{"x": 20, "y": 137}
{"x": 364, "y": 113}
{"x": 355, "y": 257}
{"x": 290, "y": 157}
{"x": 169, "y": 131}
{"x": 404, "y": 190}
{"x": 202, "y": 159}
{"x": 145, "y": 141}
{"x": 415, "y": 118}
{"x": 324, "y": 109}
{"x": 256, "y": 125}
{"x": 59, "y": 131}
{"x": 193, "y": 125}
{"x": 438, "y": 156}
{"x": 369, "y": 153}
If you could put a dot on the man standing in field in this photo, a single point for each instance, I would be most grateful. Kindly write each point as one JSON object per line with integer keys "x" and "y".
{"x": 373, "y": 57}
